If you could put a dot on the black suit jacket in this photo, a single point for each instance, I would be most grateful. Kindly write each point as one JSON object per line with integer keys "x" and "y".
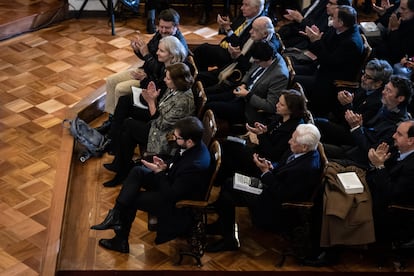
{"x": 293, "y": 181}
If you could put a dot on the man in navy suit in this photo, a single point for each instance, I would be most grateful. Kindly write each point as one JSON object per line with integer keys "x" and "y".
{"x": 292, "y": 180}
{"x": 391, "y": 180}
{"x": 184, "y": 177}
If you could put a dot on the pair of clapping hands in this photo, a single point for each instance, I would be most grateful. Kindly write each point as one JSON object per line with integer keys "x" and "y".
{"x": 157, "y": 165}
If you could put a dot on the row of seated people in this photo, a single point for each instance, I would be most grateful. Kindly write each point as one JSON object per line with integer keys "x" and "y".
{"x": 151, "y": 93}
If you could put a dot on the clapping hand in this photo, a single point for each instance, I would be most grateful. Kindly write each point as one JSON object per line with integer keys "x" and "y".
{"x": 224, "y": 22}
{"x": 345, "y": 97}
{"x": 378, "y": 156}
{"x": 394, "y": 22}
{"x": 313, "y": 33}
{"x": 139, "y": 45}
{"x": 293, "y": 15}
{"x": 234, "y": 52}
{"x": 263, "y": 164}
{"x": 353, "y": 119}
{"x": 151, "y": 93}
{"x": 157, "y": 164}
{"x": 258, "y": 128}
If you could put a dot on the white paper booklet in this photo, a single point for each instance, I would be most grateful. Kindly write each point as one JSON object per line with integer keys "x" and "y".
{"x": 351, "y": 182}
{"x": 136, "y": 93}
{"x": 248, "y": 184}
{"x": 370, "y": 29}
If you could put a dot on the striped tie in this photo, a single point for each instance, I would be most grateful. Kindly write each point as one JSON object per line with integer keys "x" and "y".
{"x": 224, "y": 44}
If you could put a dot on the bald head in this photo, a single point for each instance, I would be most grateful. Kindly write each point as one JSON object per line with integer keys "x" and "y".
{"x": 262, "y": 28}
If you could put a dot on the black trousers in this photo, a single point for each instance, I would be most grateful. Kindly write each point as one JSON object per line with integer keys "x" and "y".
{"x": 209, "y": 55}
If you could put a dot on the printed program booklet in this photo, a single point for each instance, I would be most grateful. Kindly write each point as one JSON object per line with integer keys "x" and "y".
{"x": 248, "y": 184}
{"x": 351, "y": 183}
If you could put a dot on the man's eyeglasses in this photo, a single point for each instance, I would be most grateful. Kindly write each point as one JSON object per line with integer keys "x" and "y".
{"x": 332, "y": 3}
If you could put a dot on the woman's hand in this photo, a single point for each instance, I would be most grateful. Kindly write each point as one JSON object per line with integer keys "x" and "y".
{"x": 151, "y": 93}
{"x": 257, "y": 129}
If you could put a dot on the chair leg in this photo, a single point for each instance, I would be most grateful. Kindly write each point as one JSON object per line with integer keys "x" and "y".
{"x": 196, "y": 240}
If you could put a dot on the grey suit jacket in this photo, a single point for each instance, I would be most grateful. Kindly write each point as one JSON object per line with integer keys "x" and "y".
{"x": 266, "y": 90}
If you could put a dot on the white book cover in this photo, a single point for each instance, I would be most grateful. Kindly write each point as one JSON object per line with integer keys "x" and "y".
{"x": 248, "y": 184}
{"x": 136, "y": 93}
{"x": 351, "y": 182}
{"x": 370, "y": 29}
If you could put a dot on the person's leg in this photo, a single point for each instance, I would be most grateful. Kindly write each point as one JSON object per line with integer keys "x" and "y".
{"x": 205, "y": 15}
{"x": 231, "y": 111}
{"x": 208, "y": 55}
{"x": 111, "y": 84}
{"x": 134, "y": 132}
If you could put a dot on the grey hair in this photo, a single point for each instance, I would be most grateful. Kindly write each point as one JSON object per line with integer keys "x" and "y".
{"x": 174, "y": 46}
{"x": 309, "y": 135}
{"x": 381, "y": 69}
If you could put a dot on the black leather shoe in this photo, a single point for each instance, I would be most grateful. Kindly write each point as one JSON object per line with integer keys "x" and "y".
{"x": 104, "y": 128}
{"x": 111, "y": 221}
{"x": 115, "y": 244}
{"x": 223, "y": 245}
{"x": 110, "y": 167}
{"x": 324, "y": 259}
{"x": 113, "y": 182}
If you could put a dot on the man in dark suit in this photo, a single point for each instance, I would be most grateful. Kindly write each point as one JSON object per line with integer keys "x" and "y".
{"x": 366, "y": 100}
{"x": 391, "y": 180}
{"x": 165, "y": 183}
{"x": 259, "y": 90}
{"x": 339, "y": 54}
{"x": 292, "y": 180}
{"x": 364, "y": 135}
{"x": 237, "y": 34}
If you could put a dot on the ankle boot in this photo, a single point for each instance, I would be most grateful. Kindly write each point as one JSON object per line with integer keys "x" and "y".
{"x": 115, "y": 244}
{"x": 104, "y": 128}
{"x": 112, "y": 221}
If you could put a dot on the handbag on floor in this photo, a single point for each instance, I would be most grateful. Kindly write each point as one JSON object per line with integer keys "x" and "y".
{"x": 94, "y": 142}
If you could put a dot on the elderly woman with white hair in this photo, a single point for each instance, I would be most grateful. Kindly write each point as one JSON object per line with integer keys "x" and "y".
{"x": 170, "y": 50}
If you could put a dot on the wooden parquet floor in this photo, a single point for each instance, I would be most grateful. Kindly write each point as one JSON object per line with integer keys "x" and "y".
{"x": 43, "y": 75}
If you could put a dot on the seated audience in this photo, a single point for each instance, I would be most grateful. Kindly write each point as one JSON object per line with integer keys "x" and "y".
{"x": 237, "y": 34}
{"x": 391, "y": 181}
{"x": 184, "y": 177}
{"x": 262, "y": 30}
{"x": 255, "y": 99}
{"x": 339, "y": 54}
{"x": 177, "y": 102}
{"x": 272, "y": 138}
{"x": 366, "y": 101}
{"x": 291, "y": 180}
{"x": 368, "y": 134}
{"x": 399, "y": 41}
{"x": 119, "y": 84}
{"x": 317, "y": 13}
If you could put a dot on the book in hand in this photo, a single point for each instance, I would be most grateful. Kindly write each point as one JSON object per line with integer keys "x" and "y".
{"x": 247, "y": 184}
{"x": 137, "y": 98}
{"x": 370, "y": 29}
{"x": 351, "y": 183}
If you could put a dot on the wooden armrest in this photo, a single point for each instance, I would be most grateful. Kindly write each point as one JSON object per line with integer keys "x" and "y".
{"x": 346, "y": 84}
{"x": 191, "y": 204}
{"x": 401, "y": 207}
{"x": 306, "y": 205}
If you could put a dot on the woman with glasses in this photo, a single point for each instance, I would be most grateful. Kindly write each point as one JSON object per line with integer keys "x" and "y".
{"x": 176, "y": 103}
{"x": 272, "y": 139}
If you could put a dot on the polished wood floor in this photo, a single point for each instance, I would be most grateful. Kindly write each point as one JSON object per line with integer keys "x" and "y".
{"x": 45, "y": 77}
